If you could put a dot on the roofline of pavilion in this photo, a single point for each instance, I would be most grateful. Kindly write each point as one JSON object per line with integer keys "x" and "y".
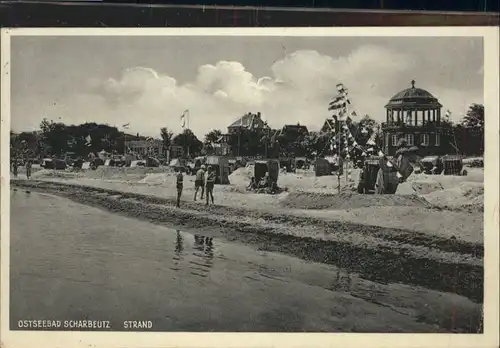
{"x": 406, "y": 105}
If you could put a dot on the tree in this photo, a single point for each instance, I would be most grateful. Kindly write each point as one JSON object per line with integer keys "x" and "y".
{"x": 189, "y": 142}
{"x": 166, "y": 137}
{"x": 58, "y": 138}
{"x": 473, "y": 124}
{"x": 474, "y": 118}
{"x": 54, "y": 137}
{"x": 213, "y": 137}
{"x": 316, "y": 144}
{"x": 365, "y": 129}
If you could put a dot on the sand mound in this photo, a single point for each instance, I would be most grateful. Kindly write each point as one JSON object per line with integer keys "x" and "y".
{"x": 50, "y": 173}
{"x": 157, "y": 178}
{"x": 303, "y": 181}
{"x": 472, "y": 189}
{"x": 426, "y": 186}
{"x": 468, "y": 195}
{"x": 419, "y": 186}
{"x": 241, "y": 177}
{"x": 152, "y": 176}
{"x": 346, "y": 200}
{"x": 308, "y": 182}
{"x": 123, "y": 173}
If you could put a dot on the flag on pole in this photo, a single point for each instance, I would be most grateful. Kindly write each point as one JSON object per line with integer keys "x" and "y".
{"x": 339, "y": 102}
{"x": 330, "y": 123}
{"x": 183, "y": 119}
{"x": 126, "y": 126}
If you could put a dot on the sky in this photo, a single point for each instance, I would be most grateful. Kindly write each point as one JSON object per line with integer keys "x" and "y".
{"x": 149, "y": 81}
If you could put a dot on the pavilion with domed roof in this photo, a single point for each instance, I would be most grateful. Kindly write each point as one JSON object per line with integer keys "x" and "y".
{"x": 413, "y": 114}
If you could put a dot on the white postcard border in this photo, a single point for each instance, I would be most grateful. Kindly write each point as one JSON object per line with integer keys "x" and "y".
{"x": 130, "y": 339}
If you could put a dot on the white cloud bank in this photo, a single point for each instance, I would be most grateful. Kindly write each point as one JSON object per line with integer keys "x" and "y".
{"x": 298, "y": 90}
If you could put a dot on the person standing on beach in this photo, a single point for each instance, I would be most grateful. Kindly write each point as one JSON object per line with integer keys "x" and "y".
{"x": 180, "y": 186}
{"x": 28, "y": 168}
{"x": 15, "y": 164}
{"x": 199, "y": 182}
{"x": 210, "y": 183}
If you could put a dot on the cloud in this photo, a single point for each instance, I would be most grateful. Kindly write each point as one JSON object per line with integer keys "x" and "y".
{"x": 298, "y": 90}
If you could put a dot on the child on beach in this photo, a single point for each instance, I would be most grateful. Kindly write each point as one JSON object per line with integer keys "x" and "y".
{"x": 28, "y": 168}
{"x": 15, "y": 165}
{"x": 199, "y": 182}
{"x": 210, "y": 183}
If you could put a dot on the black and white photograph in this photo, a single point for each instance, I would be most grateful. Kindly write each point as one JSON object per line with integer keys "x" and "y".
{"x": 247, "y": 183}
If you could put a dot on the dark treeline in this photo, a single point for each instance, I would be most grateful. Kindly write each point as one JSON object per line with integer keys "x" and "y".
{"x": 56, "y": 139}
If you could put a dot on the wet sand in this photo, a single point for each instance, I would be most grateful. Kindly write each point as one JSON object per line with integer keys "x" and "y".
{"x": 376, "y": 253}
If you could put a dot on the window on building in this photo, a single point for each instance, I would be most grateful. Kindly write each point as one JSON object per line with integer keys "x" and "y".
{"x": 438, "y": 140}
{"x": 424, "y": 138}
{"x": 409, "y": 118}
{"x": 394, "y": 140}
{"x": 420, "y": 118}
{"x": 409, "y": 139}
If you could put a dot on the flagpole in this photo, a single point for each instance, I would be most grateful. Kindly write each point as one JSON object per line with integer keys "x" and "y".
{"x": 187, "y": 120}
{"x": 346, "y": 141}
{"x": 125, "y": 127}
{"x": 338, "y": 154}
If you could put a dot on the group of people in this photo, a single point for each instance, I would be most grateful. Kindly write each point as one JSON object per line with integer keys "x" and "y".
{"x": 265, "y": 184}
{"x": 393, "y": 173}
{"x": 16, "y": 164}
{"x": 205, "y": 180}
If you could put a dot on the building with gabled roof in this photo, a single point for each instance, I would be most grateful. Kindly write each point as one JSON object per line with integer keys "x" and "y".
{"x": 247, "y": 121}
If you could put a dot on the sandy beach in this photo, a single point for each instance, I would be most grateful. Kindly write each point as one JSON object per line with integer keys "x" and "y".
{"x": 433, "y": 225}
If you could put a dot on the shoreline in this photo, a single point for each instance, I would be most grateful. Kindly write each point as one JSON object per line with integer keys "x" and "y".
{"x": 384, "y": 254}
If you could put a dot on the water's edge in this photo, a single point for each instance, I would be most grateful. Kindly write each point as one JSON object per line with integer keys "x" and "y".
{"x": 379, "y": 264}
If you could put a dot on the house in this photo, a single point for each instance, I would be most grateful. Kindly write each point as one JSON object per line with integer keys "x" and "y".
{"x": 293, "y": 136}
{"x": 247, "y": 121}
{"x": 293, "y": 133}
{"x": 146, "y": 147}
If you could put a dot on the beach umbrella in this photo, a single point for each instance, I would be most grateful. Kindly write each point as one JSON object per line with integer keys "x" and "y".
{"x": 401, "y": 151}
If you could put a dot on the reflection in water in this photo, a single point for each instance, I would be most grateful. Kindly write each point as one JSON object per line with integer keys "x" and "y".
{"x": 204, "y": 252}
{"x": 179, "y": 247}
